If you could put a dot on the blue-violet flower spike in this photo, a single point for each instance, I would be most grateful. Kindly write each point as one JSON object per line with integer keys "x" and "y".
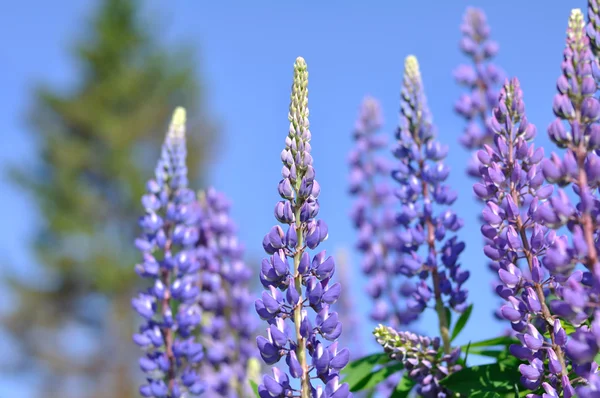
{"x": 295, "y": 283}
{"x": 423, "y": 244}
{"x": 170, "y": 306}
{"x": 373, "y": 215}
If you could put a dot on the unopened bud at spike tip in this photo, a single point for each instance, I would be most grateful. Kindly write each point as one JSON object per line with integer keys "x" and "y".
{"x": 177, "y": 128}
{"x": 411, "y": 66}
{"x": 178, "y": 116}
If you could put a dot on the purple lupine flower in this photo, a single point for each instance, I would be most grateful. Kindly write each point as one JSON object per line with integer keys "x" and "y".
{"x": 373, "y": 215}
{"x": 170, "y": 306}
{"x": 421, "y": 174}
{"x": 593, "y": 26}
{"x": 419, "y": 354}
{"x": 512, "y": 177}
{"x": 293, "y": 289}
{"x": 225, "y": 299}
{"x": 482, "y": 80}
{"x": 578, "y": 295}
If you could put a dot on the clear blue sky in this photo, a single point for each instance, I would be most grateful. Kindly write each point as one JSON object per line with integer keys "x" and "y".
{"x": 247, "y": 50}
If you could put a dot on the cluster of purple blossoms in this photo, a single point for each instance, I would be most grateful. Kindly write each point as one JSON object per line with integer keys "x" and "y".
{"x": 482, "y": 79}
{"x": 170, "y": 307}
{"x": 374, "y": 216}
{"x": 579, "y": 167}
{"x": 512, "y": 176}
{"x": 419, "y": 354}
{"x": 421, "y": 242}
{"x": 593, "y": 27}
{"x": 227, "y": 328}
{"x": 290, "y": 292}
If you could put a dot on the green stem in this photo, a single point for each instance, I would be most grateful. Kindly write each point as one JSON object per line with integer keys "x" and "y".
{"x": 301, "y": 346}
{"x": 439, "y": 302}
{"x": 441, "y": 312}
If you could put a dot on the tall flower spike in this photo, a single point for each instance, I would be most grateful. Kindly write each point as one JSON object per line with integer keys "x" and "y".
{"x": 482, "y": 80}
{"x": 423, "y": 247}
{"x": 227, "y": 328}
{"x": 170, "y": 306}
{"x": 374, "y": 217}
{"x": 577, "y": 130}
{"x": 290, "y": 292}
{"x": 513, "y": 188}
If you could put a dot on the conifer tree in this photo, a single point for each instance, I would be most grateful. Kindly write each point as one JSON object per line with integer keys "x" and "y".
{"x": 98, "y": 142}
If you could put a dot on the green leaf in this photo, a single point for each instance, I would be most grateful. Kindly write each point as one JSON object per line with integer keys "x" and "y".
{"x": 497, "y": 377}
{"x": 487, "y": 352}
{"x": 448, "y": 315}
{"x": 467, "y": 351}
{"x": 365, "y": 364}
{"x": 502, "y": 340}
{"x": 254, "y": 387}
{"x": 374, "y": 378}
{"x": 462, "y": 321}
{"x": 485, "y": 394}
{"x": 361, "y": 368}
{"x": 403, "y": 388}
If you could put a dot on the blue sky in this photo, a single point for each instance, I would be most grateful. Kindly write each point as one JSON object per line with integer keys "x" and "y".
{"x": 246, "y": 52}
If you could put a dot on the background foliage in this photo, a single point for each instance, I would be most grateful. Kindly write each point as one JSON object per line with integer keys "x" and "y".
{"x": 98, "y": 143}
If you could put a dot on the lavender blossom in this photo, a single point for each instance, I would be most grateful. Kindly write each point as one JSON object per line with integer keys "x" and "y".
{"x": 228, "y": 328}
{"x": 170, "y": 307}
{"x": 512, "y": 177}
{"x": 593, "y": 26}
{"x": 290, "y": 292}
{"x": 422, "y": 244}
{"x": 419, "y": 354}
{"x": 578, "y": 296}
{"x": 482, "y": 79}
{"x": 375, "y": 219}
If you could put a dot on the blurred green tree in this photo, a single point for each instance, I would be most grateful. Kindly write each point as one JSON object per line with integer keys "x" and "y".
{"x": 99, "y": 142}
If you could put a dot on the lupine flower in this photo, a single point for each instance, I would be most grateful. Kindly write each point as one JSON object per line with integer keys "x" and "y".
{"x": 374, "y": 217}
{"x": 419, "y": 354}
{"x": 593, "y": 26}
{"x": 424, "y": 248}
{"x": 580, "y": 168}
{"x": 170, "y": 306}
{"x": 482, "y": 80}
{"x": 227, "y": 328}
{"x": 512, "y": 177}
{"x": 293, "y": 289}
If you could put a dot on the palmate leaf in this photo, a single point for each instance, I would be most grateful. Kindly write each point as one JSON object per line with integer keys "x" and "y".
{"x": 362, "y": 373}
{"x": 374, "y": 378}
{"x": 498, "y": 377}
{"x": 363, "y": 366}
{"x": 496, "y": 341}
{"x": 486, "y": 394}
